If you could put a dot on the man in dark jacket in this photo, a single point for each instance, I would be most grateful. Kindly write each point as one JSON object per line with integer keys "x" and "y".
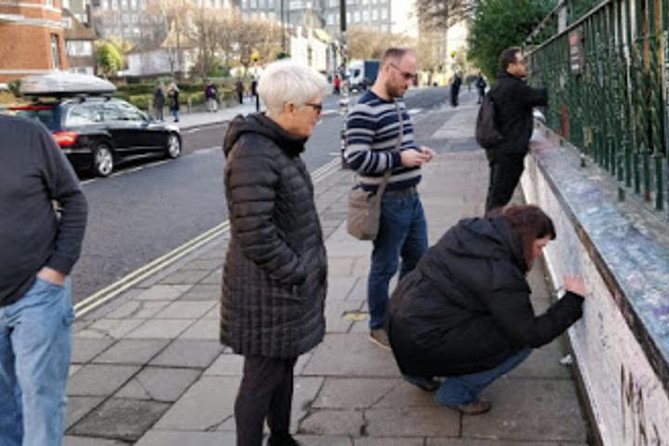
{"x": 275, "y": 274}
{"x": 465, "y": 312}
{"x": 38, "y": 248}
{"x": 513, "y": 100}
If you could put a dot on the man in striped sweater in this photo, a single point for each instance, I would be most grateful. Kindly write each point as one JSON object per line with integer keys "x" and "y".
{"x": 372, "y": 134}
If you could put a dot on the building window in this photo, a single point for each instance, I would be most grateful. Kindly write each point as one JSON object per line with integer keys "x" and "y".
{"x": 365, "y": 16}
{"x": 375, "y": 14}
{"x": 66, "y": 4}
{"x": 55, "y": 52}
{"x": 49, "y": 3}
{"x": 384, "y": 14}
{"x": 356, "y": 17}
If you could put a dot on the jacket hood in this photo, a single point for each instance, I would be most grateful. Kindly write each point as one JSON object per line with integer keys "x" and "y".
{"x": 259, "y": 123}
{"x": 486, "y": 238}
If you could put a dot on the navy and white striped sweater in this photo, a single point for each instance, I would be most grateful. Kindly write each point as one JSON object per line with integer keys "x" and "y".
{"x": 372, "y": 129}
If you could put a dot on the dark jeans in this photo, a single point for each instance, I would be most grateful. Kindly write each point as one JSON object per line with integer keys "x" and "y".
{"x": 402, "y": 233}
{"x": 505, "y": 172}
{"x": 266, "y": 391}
{"x": 465, "y": 389}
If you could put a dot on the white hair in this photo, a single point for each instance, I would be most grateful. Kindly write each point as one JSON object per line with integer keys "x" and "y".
{"x": 286, "y": 81}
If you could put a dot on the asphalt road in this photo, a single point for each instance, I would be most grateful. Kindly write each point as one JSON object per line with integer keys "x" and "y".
{"x": 153, "y": 207}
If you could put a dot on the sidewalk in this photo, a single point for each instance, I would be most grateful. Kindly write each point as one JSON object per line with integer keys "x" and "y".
{"x": 204, "y": 118}
{"x": 148, "y": 369}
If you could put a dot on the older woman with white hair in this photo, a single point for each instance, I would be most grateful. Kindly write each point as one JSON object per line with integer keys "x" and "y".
{"x": 274, "y": 279}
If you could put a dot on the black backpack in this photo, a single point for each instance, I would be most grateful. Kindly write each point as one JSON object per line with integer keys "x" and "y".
{"x": 487, "y": 134}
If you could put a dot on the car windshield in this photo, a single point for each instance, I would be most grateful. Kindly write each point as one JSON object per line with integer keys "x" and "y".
{"x": 43, "y": 113}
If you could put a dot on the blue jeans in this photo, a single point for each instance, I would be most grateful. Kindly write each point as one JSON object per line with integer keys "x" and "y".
{"x": 35, "y": 335}
{"x": 465, "y": 389}
{"x": 402, "y": 232}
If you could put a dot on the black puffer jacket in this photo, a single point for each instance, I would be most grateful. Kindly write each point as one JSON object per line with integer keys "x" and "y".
{"x": 514, "y": 101}
{"x": 466, "y": 308}
{"x": 274, "y": 278}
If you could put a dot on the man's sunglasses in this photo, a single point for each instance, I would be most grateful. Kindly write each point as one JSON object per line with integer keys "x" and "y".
{"x": 405, "y": 74}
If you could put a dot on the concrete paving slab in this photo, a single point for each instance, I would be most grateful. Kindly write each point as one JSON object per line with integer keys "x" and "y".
{"x": 214, "y": 313}
{"x": 205, "y": 329}
{"x": 100, "y": 380}
{"x": 203, "y": 292}
{"x": 185, "y": 276}
{"x": 85, "y": 349}
{"x": 207, "y": 264}
{"x": 131, "y": 351}
{"x": 302, "y": 363}
{"x": 543, "y": 363}
{"x": 329, "y": 440}
{"x": 339, "y": 287}
{"x": 71, "y": 440}
{"x": 185, "y": 310}
{"x": 353, "y": 393}
{"x": 177, "y": 438}
{"x": 479, "y": 442}
{"x": 304, "y": 394}
{"x": 226, "y": 365}
{"x": 188, "y": 353}
{"x": 402, "y": 421}
{"x": 74, "y": 368}
{"x": 351, "y": 355}
{"x": 204, "y": 407}
{"x": 388, "y": 441}
{"x": 121, "y": 419}
{"x": 109, "y": 328}
{"x": 79, "y": 406}
{"x": 407, "y": 395}
{"x": 336, "y": 320}
{"x": 159, "y": 384}
{"x": 527, "y": 409}
{"x": 341, "y": 266}
{"x": 163, "y": 292}
{"x": 138, "y": 309}
{"x": 215, "y": 278}
{"x": 160, "y": 329}
{"x": 333, "y": 422}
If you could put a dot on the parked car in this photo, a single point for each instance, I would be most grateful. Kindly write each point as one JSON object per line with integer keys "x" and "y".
{"x": 96, "y": 132}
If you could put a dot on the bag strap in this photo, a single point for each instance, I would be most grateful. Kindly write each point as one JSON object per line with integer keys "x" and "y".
{"x": 398, "y": 145}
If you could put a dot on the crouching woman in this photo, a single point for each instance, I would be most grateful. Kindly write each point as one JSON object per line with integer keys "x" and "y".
{"x": 464, "y": 313}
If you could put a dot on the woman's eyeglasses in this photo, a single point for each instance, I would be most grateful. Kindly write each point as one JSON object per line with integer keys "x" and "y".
{"x": 318, "y": 108}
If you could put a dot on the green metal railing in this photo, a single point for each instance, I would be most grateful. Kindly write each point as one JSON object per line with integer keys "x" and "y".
{"x": 607, "y": 72}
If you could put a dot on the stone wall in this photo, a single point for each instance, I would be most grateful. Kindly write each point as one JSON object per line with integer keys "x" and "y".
{"x": 621, "y": 344}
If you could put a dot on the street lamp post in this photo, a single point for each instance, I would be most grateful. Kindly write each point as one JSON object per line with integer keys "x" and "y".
{"x": 344, "y": 98}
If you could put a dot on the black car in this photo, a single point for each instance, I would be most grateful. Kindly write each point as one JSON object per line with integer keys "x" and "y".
{"x": 97, "y": 132}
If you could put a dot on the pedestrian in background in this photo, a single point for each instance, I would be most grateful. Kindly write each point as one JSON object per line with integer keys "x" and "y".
{"x": 465, "y": 313}
{"x": 211, "y": 97}
{"x": 372, "y": 134}
{"x": 239, "y": 89}
{"x": 455, "y": 89}
{"x": 38, "y": 248}
{"x": 513, "y": 102}
{"x": 254, "y": 92}
{"x": 337, "y": 85}
{"x": 173, "y": 97}
{"x": 158, "y": 101}
{"x": 480, "y": 87}
{"x": 275, "y": 273}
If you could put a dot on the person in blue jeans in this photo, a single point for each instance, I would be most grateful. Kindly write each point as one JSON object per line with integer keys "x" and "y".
{"x": 380, "y": 138}
{"x": 464, "y": 313}
{"x": 38, "y": 248}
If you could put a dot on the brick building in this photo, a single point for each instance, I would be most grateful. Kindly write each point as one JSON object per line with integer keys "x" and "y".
{"x": 31, "y": 32}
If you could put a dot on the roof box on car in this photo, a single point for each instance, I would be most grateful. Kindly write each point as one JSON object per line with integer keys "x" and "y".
{"x": 61, "y": 84}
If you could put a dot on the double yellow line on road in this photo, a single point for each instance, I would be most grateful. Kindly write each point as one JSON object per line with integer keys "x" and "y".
{"x": 115, "y": 289}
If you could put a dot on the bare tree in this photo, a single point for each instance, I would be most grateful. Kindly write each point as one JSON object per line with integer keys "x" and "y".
{"x": 442, "y": 14}
{"x": 369, "y": 43}
{"x": 261, "y": 36}
{"x": 176, "y": 16}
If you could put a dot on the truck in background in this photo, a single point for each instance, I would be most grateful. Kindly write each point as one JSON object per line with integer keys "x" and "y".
{"x": 362, "y": 73}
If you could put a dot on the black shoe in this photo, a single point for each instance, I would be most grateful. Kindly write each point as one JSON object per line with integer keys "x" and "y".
{"x": 282, "y": 440}
{"x": 425, "y": 383}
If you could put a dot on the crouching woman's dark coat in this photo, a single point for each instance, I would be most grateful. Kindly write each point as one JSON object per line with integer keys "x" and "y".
{"x": 465, "y": 308}
{"x": 274, "y": 278}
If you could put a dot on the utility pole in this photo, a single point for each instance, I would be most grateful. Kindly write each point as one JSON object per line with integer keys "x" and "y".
{"x": 344, "y": 98}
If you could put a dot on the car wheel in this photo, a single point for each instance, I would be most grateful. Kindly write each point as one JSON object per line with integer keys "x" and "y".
{"x": 103, "y": 159}
{"x": 173, "y": 147}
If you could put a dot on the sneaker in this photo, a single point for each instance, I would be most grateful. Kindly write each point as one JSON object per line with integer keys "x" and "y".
{"x": 425, "y": 383}
{"x": 475, "y": 408}
{"x": 379, "y": 337}
{"x": 282, "y": 440}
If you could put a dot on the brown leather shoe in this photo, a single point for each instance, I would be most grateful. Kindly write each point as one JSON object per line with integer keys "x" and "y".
{"x": 475, "y": 408}
{"x": 379, "y": 337}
